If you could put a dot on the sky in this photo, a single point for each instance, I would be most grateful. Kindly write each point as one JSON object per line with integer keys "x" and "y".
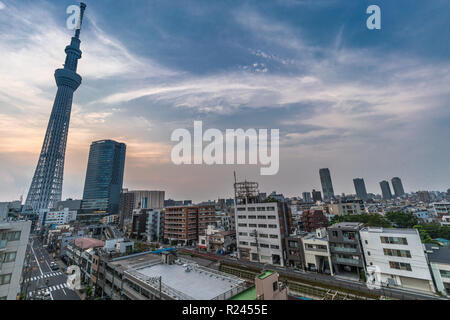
{"x": 364, "y": 103}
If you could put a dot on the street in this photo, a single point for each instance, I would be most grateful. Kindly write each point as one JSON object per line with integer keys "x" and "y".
{"x": 38, "y": 276}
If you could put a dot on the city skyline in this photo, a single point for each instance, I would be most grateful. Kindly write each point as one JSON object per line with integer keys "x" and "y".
{"x": 269, "y": 68}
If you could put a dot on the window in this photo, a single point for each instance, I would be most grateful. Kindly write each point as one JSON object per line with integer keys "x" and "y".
{"x": 445, "y": 273}
{"x": 251, "y": 209}
{"x": 244, "y": 243}
{"x": 262, "y": 225}
{"x": 263, "y": 235}
{"x": 253, "y": 244}
{"x": 292, "y": 244}
{"x": 252, "y": 225}
{"x": 275, "y": 286}
{"x": 261, "y": 209}
{"x": 14, "y": 236}
{"x": 334, "y": 233}
{"x": 5, "y": 279}
{"x": 394, "y": 240}
{"x": 274, "y": 246}
{"x": 400, "y": 265}
{"x": 273, "y": 226}
{"x": 270, "y": 208}
{"x": 243, "y": 233}
{"x": 261, "y": 217}
{"x": 271, "y": 217}
{"x": 263, "y": 245}
{"x": 366, "y": 242}
{"x": 397, "y": 253}
{"x": 242, "y": 217}
{"x": 242, "y": 225}
{"x": 241, "y": 209}
{"x": 368, "y": 253}
{"x": 274, "y": 236}
{"x": 251, "y": 217}
{"x": 9, "y": 257}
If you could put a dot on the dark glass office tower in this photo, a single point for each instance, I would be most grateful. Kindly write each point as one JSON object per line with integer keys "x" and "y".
{"x": 360, "y": 188}
{"x": 327, "y": 185}
{"x": 385, "y": 190}
{"x": 104, "y": 178}
{"x": 398, "y": 187}
{"x": 46, "y": 186}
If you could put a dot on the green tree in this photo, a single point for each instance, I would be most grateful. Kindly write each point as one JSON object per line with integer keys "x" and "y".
{"x": 402, "y": 219}
{"x": 424, "y": 236}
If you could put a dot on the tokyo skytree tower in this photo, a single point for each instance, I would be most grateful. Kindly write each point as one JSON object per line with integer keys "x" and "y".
{"x": 46, "y": 186}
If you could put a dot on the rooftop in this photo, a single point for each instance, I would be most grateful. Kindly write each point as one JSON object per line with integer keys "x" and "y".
{"x": 249, "y": 294}
{"x": 348, "y": 225}
{"x": 390, "y": 230}
{"x": 439, "y": 254}
{"x": 265, "y": 274}
{"x": 86, "y": 243}
{"x": 199, "y": 283}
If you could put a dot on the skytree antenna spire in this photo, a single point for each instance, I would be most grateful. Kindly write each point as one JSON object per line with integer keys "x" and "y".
{"x": 46, "y": 186}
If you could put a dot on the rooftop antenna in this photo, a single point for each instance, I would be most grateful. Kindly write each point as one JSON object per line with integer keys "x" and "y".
{"x": 80, "y": 21}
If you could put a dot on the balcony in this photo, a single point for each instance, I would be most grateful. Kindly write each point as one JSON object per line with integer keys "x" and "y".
{"x": 346, "y": 250}
{"x": 348, "y": 261}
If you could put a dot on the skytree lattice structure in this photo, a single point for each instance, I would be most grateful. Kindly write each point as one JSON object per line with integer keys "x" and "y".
{"x": 46, "y": 186}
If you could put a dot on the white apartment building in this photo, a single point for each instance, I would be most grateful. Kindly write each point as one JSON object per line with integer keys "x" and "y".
{"x": 258, "y": 233}
{"x": 441, "y": 209}
{"x": 398, "y": 255}
{"x": 13, "y": 244}
{"x": 49, "y": 217}
{"x": 439, "y": 259}
{"x": 155, "y": 225}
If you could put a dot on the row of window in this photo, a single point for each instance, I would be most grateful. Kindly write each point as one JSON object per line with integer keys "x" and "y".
{"x": 397, "y": 253}
{"x": 252, "y": 225}
{"x": 256, "y": 209}
{"x": 394, "y": 240}
{"x": 256, "y": 217}
{"x": 262, "y": 235}
{"x": 261, "y": 245}
{"x": 8, "y": 257}
{"x": 400, "y": 265}
{"x": 11, "y": 236}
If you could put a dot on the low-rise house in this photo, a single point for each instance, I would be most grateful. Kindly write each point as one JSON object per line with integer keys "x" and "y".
{"x": 317, "y": 252}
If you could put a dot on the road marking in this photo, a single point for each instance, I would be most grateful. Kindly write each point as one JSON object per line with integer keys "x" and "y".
{"x": 39, "y": 265}
{"x": 64, "y": 292}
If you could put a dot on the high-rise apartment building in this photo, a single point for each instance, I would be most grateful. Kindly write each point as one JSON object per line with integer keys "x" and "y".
{"x": 46, "y": 186}
{"x": 104, "y": 178}
{"x": 307, "y": 197}
{"x": 186, "y": 223}
{"x": 397, "y": 186}
{"x": 385, "y": 190}
{"x": 13, "y": 244}
{"x": 327, "y": 185}
{"x": 316, "y": 195}
{"x": 360, "y": 188}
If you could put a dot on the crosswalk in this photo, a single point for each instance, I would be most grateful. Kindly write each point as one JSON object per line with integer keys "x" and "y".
{"x": 43, "y": 276}
{"x": 50, "y": 289}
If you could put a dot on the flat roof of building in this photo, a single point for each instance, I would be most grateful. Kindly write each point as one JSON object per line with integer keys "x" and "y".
{"x": 390, "y": 230}
{"x": 439, "y": 255}
{"x": 265, "y": 274}
{"x": 352, "y": 225}
{"x": 249, "y": 294}
{"x": 198, "y": 283}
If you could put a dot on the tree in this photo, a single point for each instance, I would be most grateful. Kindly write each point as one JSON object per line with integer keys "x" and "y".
{"x": 371, "y": 220}
{"x": 424, "y": 236}
{"x": 402, "y": 219}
